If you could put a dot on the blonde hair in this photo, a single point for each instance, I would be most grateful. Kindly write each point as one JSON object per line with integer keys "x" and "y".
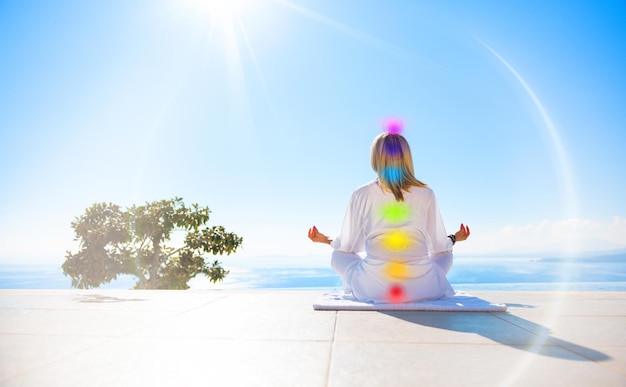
{"x": 392, "y": 161}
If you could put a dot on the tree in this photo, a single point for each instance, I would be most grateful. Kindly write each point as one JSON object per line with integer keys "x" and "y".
{"x": 133, "y": 241}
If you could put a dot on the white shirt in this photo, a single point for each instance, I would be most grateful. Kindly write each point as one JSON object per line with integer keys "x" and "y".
{"x": 400, "y": 240}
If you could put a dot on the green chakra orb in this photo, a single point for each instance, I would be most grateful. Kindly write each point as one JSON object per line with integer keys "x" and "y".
{"x": 395, "y": 212}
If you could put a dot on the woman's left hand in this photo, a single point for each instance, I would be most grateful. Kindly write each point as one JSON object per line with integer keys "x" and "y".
{"x": 317, "y": 236}
{"x": 463, "y": 233}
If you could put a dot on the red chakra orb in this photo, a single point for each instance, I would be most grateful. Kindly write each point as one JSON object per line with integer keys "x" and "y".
{"x": 396, "y": 294}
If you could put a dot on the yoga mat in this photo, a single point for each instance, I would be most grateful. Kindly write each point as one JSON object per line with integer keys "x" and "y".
{"x": 460, "y": 302}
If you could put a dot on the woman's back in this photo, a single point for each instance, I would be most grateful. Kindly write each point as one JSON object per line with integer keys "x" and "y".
{"x": 396, "y": 222}
{"x": 397, "y": 237}
{"x": 397, "y": 229}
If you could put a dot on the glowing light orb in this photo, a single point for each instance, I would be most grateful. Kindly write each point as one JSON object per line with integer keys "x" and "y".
{"x": 393, "y": 125}
{"x": 393, "y": 149}
{"x": 397, "y": 270}
{"x": 396, "y": 294}
{"x": 396, "y": 240}
{"x": 392, "y": 174}
{"x": 395, "y": 212}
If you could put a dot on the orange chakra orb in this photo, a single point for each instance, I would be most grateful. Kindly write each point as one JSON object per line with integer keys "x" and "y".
{"x": 397, "y": 269}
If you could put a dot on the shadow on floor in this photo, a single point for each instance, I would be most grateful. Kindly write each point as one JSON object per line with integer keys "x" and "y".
{"x": 506, "y": 329}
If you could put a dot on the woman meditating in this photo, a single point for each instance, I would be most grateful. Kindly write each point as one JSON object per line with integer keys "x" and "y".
{"x": 396, "y": 222}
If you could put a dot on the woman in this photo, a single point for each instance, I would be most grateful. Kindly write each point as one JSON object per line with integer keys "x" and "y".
{"x": 396, "y": 222}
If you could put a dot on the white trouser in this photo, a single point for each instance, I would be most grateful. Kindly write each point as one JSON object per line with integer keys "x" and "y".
{"x": 342, "y": 262}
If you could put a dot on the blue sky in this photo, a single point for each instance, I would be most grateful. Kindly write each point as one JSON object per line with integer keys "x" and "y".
{"x": 265, "y": 111}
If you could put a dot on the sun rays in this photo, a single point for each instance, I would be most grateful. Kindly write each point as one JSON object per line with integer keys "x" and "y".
{"x": 235, "y": 49}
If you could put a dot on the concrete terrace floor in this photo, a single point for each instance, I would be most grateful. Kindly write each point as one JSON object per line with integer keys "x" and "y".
{"x": 275, "y": 338}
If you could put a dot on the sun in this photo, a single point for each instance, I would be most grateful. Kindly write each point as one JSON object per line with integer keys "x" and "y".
{"x": 221, "y": 11}
{"x": 228, "y": 6}
{"x": 224, "y": 20}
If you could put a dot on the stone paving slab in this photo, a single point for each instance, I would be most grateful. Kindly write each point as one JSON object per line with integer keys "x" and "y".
{"x": 275, "y": 338}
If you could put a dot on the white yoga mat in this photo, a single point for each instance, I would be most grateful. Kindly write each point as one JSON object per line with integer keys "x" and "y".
{"x": 460, "y": 302}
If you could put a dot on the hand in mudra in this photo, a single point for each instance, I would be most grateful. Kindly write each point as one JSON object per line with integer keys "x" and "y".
{"x": 317, "y": 236}
{"x": 463, "y": 233}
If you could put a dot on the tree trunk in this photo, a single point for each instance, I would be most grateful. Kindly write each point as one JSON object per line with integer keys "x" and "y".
{"x": 154, "y": 282}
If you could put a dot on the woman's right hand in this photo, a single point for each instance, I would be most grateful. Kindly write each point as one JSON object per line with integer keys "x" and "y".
{"x": 463, "y": 233}
{"x": 317, "y": 236}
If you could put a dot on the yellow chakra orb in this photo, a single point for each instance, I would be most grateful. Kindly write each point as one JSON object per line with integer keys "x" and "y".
{"x": 396, "y": 240}
{"x": 397, "y": 269}
{"x": 395, "y": 212}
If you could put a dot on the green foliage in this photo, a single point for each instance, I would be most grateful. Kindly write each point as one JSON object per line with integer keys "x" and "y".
{"x": 133, "y": 241}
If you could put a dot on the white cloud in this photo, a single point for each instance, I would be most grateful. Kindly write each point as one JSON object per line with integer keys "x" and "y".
{"x": 550, "y": 236}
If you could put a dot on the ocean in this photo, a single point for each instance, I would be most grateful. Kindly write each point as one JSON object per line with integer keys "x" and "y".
{"x": 600, "y": 273}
